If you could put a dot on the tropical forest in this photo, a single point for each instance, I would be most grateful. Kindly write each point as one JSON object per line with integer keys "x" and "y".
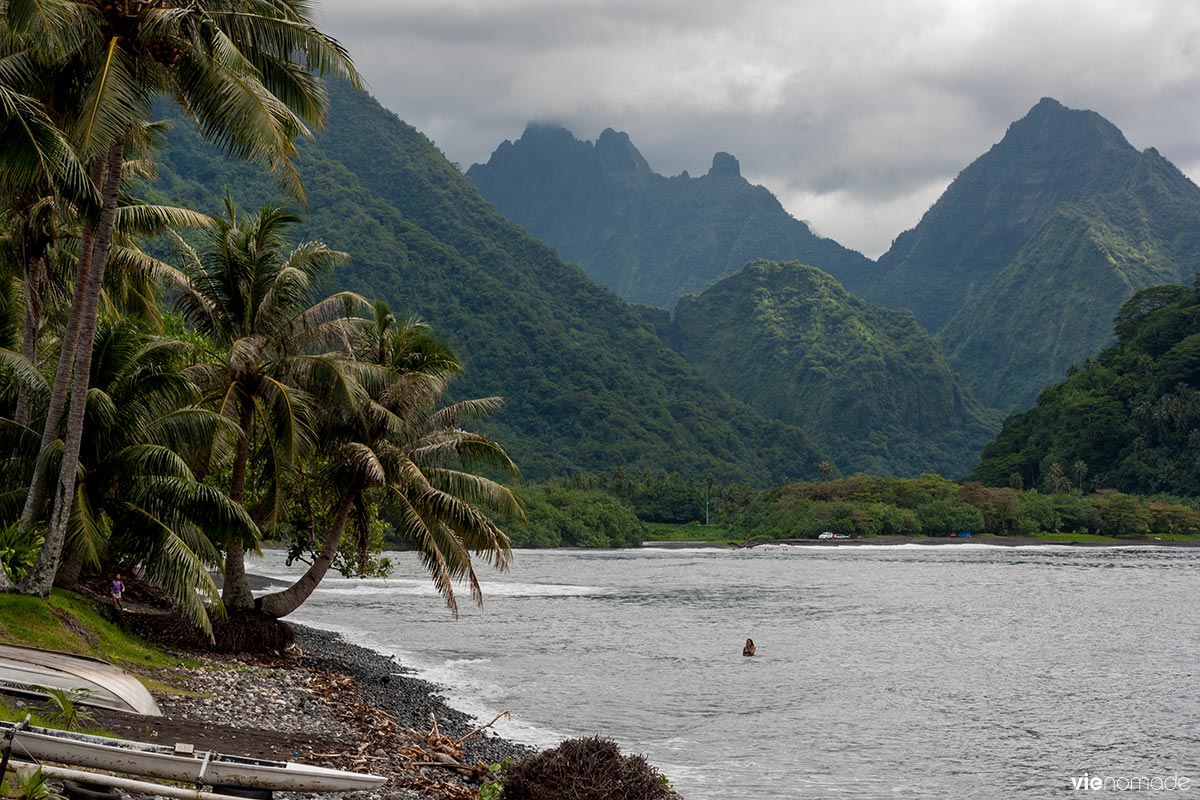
{"x": 243, "y": 305}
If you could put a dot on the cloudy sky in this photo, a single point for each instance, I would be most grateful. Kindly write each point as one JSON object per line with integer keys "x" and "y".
{"x": 855, "y": 114}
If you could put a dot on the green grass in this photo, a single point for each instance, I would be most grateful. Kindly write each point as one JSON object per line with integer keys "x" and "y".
{"x": 1091, "y": 537}
{"x": 691, "y": 532}
{"x": 71, "y": 623}
{"x": 1072, "y": 537}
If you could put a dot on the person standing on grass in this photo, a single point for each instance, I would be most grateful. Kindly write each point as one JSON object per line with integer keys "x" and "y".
{"x": 118, "y": 588}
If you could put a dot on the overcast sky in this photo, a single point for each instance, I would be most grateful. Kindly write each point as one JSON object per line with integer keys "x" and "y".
{"x": 857, "y": 115}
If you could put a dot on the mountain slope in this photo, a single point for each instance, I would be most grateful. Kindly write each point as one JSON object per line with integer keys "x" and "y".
{"x": 1128, "y": 420}
{"x": 1051, "y": 156}
{"x": 588, "y": 384}
{"x": 648, "y": 237}
{"x": 1023, "y": 261}
{"x": 868, "y": 383}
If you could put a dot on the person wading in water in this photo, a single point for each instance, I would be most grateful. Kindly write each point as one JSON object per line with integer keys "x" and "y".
{"x": 748, "y": 650}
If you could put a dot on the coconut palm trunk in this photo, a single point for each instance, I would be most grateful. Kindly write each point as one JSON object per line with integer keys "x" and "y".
{"x": 236, "y": 594}
{"x": 41, "y": 578}
{"x": 280, "y": 604}
{"x": 39, "y": 481}
{"x": 29, "y": 333}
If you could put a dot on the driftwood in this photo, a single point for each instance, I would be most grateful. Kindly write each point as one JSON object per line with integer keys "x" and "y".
{"x": 428, "y": 762}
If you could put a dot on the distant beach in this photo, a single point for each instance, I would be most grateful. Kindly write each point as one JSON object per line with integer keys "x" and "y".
{"x": 924, "y": 541}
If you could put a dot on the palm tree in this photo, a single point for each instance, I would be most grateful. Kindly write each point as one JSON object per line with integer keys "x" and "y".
{"x": 251, "y": 297}
{"x": 138, "y": 502}
{"x": 243, "y": 69}
{"x": 399, "y": 445}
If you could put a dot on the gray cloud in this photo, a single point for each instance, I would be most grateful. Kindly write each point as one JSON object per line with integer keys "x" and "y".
{"x": 855, "y": 114}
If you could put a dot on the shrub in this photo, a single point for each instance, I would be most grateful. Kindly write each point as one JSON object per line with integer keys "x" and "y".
{"x": 585, "y": 769}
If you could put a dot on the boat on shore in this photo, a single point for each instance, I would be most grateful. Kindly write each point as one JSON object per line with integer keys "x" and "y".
{"x": 23, "y": 670}
{"x": 181, "y": 762}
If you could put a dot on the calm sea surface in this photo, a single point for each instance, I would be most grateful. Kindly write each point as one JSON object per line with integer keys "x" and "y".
{"x": 882, "y": 672}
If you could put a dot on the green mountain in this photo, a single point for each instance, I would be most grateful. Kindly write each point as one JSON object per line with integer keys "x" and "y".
{"x": 588, "y": 384}
{"x": 1025, "y": 258}
{"x": 868, "y": 383}
{"x": 1127, "y": 420}
{"x": 648, "y": 237}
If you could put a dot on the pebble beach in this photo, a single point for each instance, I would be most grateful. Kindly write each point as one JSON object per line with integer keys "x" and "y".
{"x": 328, "y": 703}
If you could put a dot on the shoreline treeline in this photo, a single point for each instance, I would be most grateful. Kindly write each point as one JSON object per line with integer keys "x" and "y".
{"x": 603, "y": 511}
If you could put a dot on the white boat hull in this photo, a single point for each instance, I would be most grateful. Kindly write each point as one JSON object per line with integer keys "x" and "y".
{"x": 108, "y": 686}
{"x": 158, "y": 761}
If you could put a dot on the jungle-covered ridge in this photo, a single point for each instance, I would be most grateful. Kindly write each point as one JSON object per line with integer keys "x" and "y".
{"x": 587, "y": 384}
{"x": 586, "y": 376}
{"x": 1111, "y": 451}
{"x": 1017, "y": 269}
{"x": 280, "y": 399}
{"x": 1128, "y": 418}
{"x": 1021, "y": 265}
{"x": 648, "y": 237}
{"x": 869, "y": 383}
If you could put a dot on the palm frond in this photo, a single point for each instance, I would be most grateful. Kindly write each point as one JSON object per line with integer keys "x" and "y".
{"x": 84, "y": 535}
{"x": 171, "y": 564}
{"x": 145, "y": 219}
{"x": 37, "y": 153}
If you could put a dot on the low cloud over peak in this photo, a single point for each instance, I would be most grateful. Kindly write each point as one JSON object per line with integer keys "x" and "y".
{"x": 856, "y": 115}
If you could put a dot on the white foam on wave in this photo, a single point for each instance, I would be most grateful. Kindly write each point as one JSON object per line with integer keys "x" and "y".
{"x": 468, "y": 691}
{"x": 943, "y": 548}
{"x": 687, "y": 550}
{"x": 424, "y": 588}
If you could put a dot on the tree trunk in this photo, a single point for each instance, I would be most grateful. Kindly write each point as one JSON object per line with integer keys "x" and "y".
{"x": 71, "y": 569}
{"x": 41, "y": 577}
{"x": 34, "y": 273}
{"x": 235, "y": 593}
{"x": 36, "y": 495}
{"x": 280, "y": 604}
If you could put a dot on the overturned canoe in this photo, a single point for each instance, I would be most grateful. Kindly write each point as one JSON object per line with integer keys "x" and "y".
{"x": 179, "y": 763}
{"x": 23, "y": 669}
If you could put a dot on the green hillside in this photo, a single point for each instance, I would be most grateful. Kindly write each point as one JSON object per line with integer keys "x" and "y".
{"x": 1127, "y": 420}
{"x": 648, "y": 237}
{"x": 868, "y": 383}
{"x": 588, "y": 384}
{"x": 1023, "y": 261}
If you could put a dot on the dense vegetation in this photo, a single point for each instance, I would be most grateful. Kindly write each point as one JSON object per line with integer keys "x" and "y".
{"x": 615, "y": 510}
{"x": 171, "y": 446}
{"x": 587, "y": 384}
{"x": 869, "y": 383}
{"x": 1023, "y": 261}
{"x": 933, "y": 506}
{"x": 558, "y": 514}
{"x": 1127, "y": 420}
{"x": 1017, "y": 268}
{"x": 647, "y": 237}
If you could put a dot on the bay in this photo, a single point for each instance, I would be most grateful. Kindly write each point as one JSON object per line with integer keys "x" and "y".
{"x": 890, "y": 671}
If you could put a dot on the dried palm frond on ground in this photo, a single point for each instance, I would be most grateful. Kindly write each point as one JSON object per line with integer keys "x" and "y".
{"x": 431, "y": 763}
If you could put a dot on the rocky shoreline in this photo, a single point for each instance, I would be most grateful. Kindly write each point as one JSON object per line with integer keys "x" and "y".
{"x": 329, "y": 703}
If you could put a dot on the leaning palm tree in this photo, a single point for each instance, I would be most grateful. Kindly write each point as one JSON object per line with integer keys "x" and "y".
{"x": 251, "y": 297}
{"x": 243, "y": 69}
{"x": 398, "y": 445}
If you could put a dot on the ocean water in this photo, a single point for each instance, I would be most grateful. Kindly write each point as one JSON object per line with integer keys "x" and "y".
{"x": 882, "y": 672}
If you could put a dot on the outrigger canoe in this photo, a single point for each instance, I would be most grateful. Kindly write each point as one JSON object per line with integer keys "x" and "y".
{"x": 178, "y": 763}
{"x": 24, "y": 669}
